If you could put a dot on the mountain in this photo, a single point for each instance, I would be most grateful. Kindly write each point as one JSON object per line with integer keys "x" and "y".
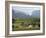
{"x": 36, "y": 13}
{"x": 19, "y": 14}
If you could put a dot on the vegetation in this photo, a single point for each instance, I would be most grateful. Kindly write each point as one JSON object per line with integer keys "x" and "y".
{"x": 19, "y": 24}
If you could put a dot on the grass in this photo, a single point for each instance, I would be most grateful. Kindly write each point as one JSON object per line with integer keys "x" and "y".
{"x": 20, "y": 24}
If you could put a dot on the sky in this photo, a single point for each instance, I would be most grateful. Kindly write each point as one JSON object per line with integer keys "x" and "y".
{"x": 26, "y": 10}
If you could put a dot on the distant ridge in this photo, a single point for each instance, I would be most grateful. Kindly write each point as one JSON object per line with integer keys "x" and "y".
{"x": 19, "y": 14}
{"x": 36, "y": 13}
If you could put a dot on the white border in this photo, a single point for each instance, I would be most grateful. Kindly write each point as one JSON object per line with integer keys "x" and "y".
{"x": 24, "y": 32}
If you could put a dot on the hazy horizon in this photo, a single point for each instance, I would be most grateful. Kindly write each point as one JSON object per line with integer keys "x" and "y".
{"x": 26, "y": 10}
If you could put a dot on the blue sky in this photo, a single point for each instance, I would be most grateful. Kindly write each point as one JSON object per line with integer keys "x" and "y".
{"x": 26, "y": 10}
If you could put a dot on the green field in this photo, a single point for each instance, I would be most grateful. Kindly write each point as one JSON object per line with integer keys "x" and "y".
{"x": 20, "y": 24}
